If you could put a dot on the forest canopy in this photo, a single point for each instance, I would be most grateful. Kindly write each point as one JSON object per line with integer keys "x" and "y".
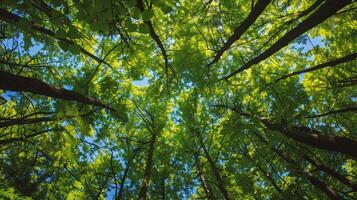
{"x": 178, "y": 99}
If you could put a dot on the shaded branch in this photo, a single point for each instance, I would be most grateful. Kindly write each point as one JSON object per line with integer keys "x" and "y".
{"x": 256, "y": 11}
{"x": 155, "y": 37}
{"x": 330, "y": 192}
{"x": 308, "y": 136}
{"x": 12, "y": 82}
{"x": 321, "y": 66}
{"x": 326, "y": 10}
{"x": 342, "y": 110}
{"x": 15, "y": 19}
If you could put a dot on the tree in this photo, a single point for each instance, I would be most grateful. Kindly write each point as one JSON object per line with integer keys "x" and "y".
{"x": 178, "y": 99}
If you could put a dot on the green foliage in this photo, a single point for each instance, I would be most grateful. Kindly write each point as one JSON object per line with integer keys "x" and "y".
{"x": 163, "y": 114}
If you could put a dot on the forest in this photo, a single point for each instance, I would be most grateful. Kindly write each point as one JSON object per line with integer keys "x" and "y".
{"x": 178, "y": 99}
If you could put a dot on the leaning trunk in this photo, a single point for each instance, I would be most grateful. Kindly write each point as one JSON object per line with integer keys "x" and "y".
{"x": 148, "y": 167}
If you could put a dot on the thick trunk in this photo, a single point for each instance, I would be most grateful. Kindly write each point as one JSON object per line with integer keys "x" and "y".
{"x": 316, "y": 139}
{"x": 321, "y": 66}
{"x": 309, "y": 136}
{"x": 326, "y": 10}
{"x": 147, "y": 174}
{"x": 330, "y": 192}
{"x": 22, "y": 121}
{"x": 257, "y": 10}
{"x": 12, "y": 82}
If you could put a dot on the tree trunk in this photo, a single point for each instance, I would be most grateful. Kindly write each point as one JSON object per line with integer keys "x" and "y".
{"x": 202, "y": 178}
{"x": 321, "y": 167}
{"x": 316, "y": 139}
{"x": 321, "y": 66}
{"x": 257, "y": 10}
{"x": 309, "y": 136}
{"x": 147, "y": 175}
{"x": 330, "y": 192}
{"x": 12, "y": 82}
{"x": 122, "y": 183}
{"x": 326, "y": 10}
{"x": 215, "y": 170}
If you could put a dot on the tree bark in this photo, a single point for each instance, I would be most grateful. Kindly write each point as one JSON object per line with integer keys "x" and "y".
{"x": 12, "y": 82}
{"x": 14, "y": 19}
{"x": 342, "y": 110}
{"x": 309, "y": 136}
{"x": 147, "y": 175}
{"x": 215, "y": 170}
{"x": 202, "y": 178}
{"x": 321, "y": 66}
{"x": 326, "y": 10}
{"x": 321, "y": 167}
{"x": 257, "y": 10}
{"x": 316, "y": 139}
{"x": 154, "y": 36}
{"x": 330, "y": 192}
{"x": 125, "y": 174}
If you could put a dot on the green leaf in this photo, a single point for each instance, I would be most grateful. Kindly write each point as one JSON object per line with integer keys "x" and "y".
{"x": 143, "y": 28}
{"x": 136, "y": 14}
{"x": 248, "y": 186}
{"x": 132, "y": 27}
{"x": 130, "y": 3}
{"x": 61, "y": 33}
{"x": 147, "y": 15}
{"x": 166, "y": 9}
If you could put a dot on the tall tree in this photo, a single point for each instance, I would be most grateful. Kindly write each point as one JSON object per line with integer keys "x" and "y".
{"x": 124, "y": 99}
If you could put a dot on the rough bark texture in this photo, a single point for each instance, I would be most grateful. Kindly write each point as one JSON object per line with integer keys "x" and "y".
{"x": 317, "y": 139}
{"x": 12, "y": 82}
{"x": 309, "y": 136}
